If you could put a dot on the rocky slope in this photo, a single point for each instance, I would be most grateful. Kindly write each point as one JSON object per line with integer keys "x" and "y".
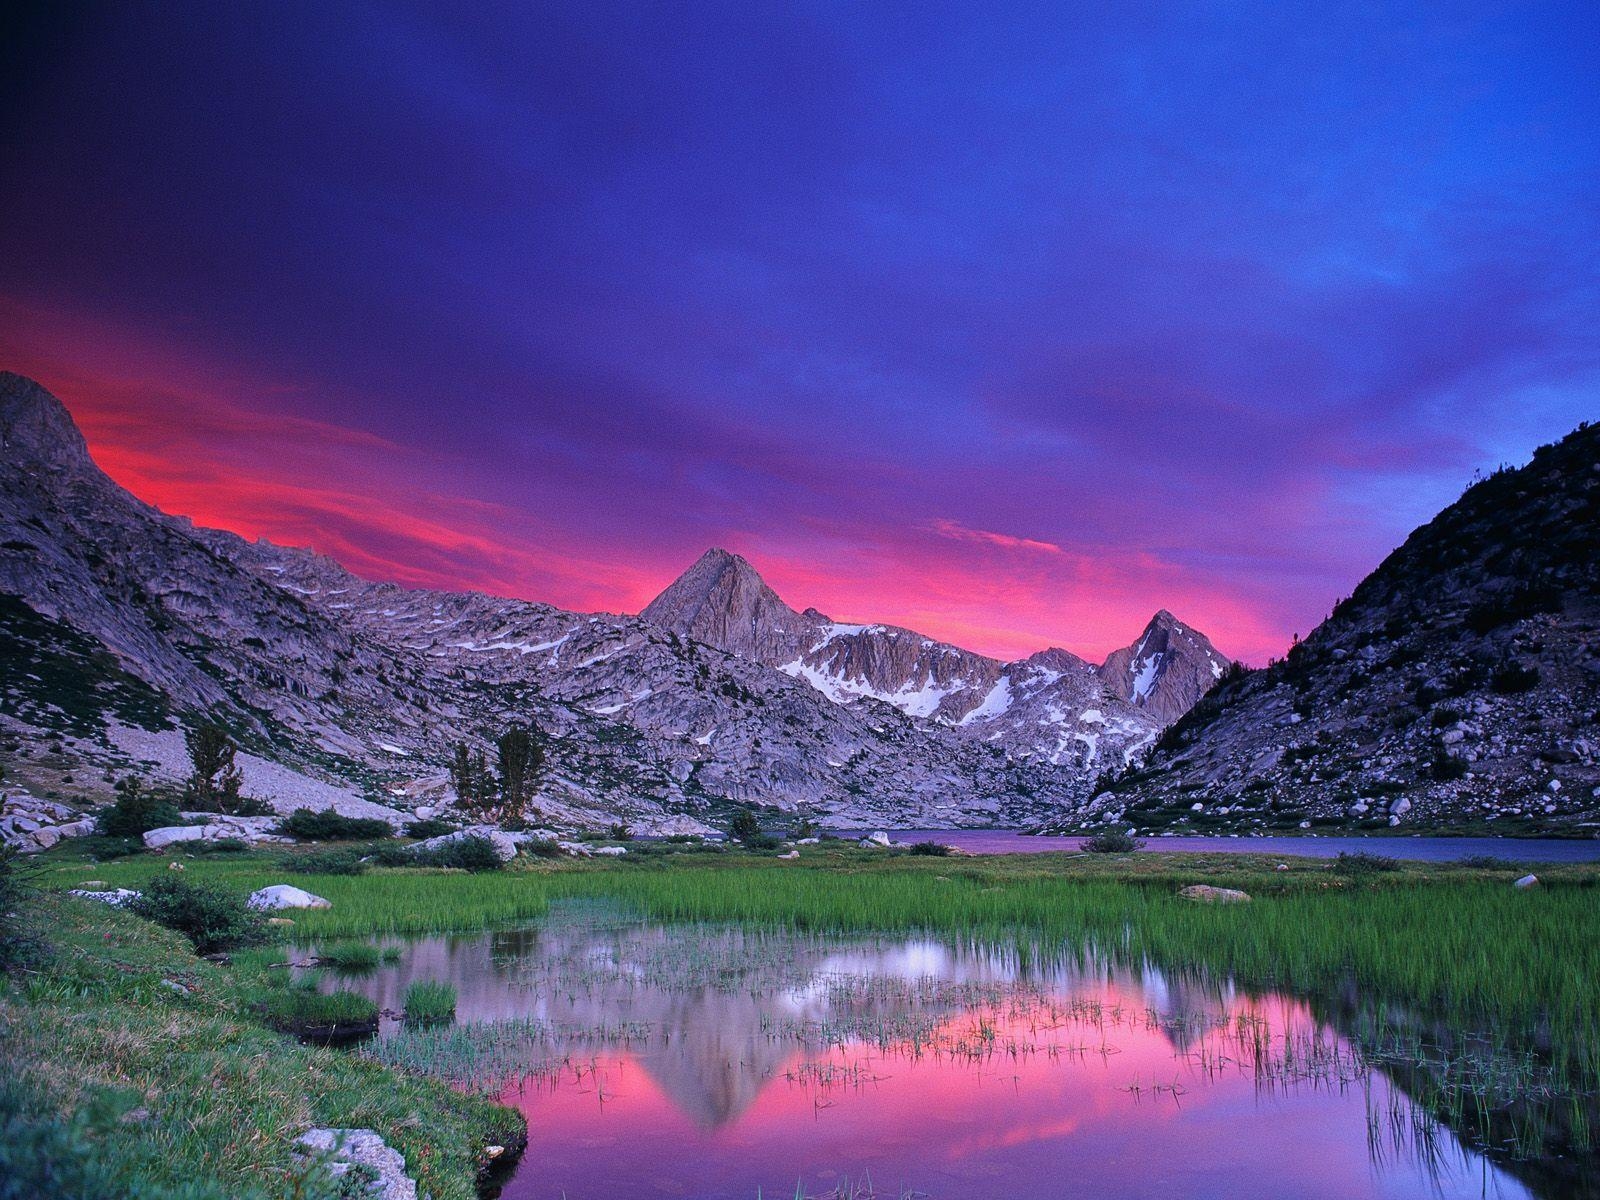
{"x": 1052, "y": 707}
{"x": 119, "y": 624}
{"x": 1459, "y": 685}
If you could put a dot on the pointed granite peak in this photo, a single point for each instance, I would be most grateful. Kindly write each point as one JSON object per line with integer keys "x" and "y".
{"x": 1167, "y": 668}
{"x": 36, "y": 430}
{"x": 722, "y": 600}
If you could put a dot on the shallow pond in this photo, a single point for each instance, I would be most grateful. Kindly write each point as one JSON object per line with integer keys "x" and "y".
{"x": 1418, "y": 849}
{"x": 695, "y": 1061}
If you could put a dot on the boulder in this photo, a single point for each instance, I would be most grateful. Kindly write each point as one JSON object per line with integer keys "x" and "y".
{"x": 611, "y": 851}
{"x": 283, "y": 895}
{"x": 1204, "y": 893}
{"x": 1527, "y": 881}
{"x": 878, "y": 838}
{"x": 340, "y": 1150}
{"x": 171, "y": 835}
{"x": 117, "y": 897}
{"x": 791, "y": 854}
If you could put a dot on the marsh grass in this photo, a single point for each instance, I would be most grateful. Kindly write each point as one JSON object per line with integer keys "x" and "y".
{"x": 430, "y": 1003}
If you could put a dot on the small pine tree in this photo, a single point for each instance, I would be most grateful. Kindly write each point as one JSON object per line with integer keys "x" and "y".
{"x": 136, "y": 811}
{"x": 474, "y": 786}
{"x": 214, "y": 784}
{"x": 519, "y": 759}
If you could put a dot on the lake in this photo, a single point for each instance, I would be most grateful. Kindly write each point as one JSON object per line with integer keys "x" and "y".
{"x": 1423, "y": 849}
{"x": 736, "y": 1063}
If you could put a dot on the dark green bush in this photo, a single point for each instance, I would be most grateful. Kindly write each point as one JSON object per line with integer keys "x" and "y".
{"x": 137, "y": 811}
{"x": 1111, "y": 841}
{"x": 211, "y": 919}
{"x": 744, "y": 826}
{"x": 931, "y": 849}
{"x": 329, "y": 826}
{"x": 1514, "y": 678}
{"x": 541, "y": 848}
{"x": 1362, "y": 863}
{"x": 1446, "y": 767}
{"x": 333, "y": 862}
{"x": 225, "y": 845}
{"x": 470, "y": 853}
{"x": 430, "y": 827}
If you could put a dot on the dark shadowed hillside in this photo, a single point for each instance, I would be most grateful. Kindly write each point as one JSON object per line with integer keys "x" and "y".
{"x": 1459, "y": 685}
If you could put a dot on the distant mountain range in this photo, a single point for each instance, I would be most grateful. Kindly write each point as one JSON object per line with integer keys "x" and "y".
{"x": 120, "y": 624}
{"x": 1458, "y": 686}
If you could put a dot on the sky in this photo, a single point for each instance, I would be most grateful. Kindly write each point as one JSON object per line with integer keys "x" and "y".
{"x": 1010, "y": 323}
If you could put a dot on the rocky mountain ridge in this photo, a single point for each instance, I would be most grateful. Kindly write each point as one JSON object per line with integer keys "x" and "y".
{"x": 1052, "y": 705}
{"x": 1458, "y": 686}
{"x": 119, "y": 624}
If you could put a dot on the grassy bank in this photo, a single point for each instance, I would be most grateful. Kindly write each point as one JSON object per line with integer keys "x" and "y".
{"x": 1499, "y": 989}
{"x": 137, "y": 1070}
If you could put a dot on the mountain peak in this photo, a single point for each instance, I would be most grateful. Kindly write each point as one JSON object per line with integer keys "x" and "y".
{"x": 722, "y": 600}
{"x": 36, "y": 430}
{"x": 1167, "y": 669}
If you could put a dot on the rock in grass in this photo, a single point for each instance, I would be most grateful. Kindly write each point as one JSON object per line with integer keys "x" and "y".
{"x": 116, "y": 897}
{"x": 282, "y": 895}
{"x": 1204, "y": 893}
{"x": 346, "y": 1150}
{"x": 878, "y": 838}
{"x": 1527, "y": 881}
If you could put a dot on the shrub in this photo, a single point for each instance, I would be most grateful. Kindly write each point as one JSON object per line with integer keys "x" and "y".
{"x": 334, "y": 862}
{"x": 931, "y": 849}
{"x": 619, "y": 831}
{"x": 1446, "y": 766}
{"x": 1362, "y": 863}
{"x": 1111, "y": 841}
{"x": 470, "y": 853}
{"x": 1514, "y": 678}
{"x": 227, "y": 845}
{"x": 541, "y": 848}
{"x": 136, "y": 812}
{"x": 430, "y": 1003}
{"x": 211, "y": 919}
{"x": 1482, "y": 862}
{"x": 103, "y": 849}
{"x": 329, "y": 826}
{"x": 432, "y": 827}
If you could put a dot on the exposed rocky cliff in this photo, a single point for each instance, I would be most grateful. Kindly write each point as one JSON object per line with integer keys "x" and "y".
{"x": 1459, "y": 685}
{"x": 119, "y": 624}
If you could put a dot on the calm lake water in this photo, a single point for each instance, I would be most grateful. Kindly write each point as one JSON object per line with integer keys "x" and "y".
{"x": 1424, "y": 849}
{"x": 721, "y": 1062}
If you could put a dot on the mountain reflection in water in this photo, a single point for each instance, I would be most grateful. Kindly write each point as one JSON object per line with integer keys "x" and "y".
{"x": 702, "y": 1061}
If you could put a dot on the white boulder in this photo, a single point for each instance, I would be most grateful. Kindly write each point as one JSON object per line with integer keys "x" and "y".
{"x": 877, "y": 838}
{"x": 117, "y": 897}
{"x": 283, "y": 895}
{"x": 341, "y": 1150}
{"x": 1527, "y": 881}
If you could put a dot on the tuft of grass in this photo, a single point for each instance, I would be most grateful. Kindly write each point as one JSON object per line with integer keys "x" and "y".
{"x": 297, "y": 1009}
{"x": 351, "y": 956}
{"x": 430, "y": 1003}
